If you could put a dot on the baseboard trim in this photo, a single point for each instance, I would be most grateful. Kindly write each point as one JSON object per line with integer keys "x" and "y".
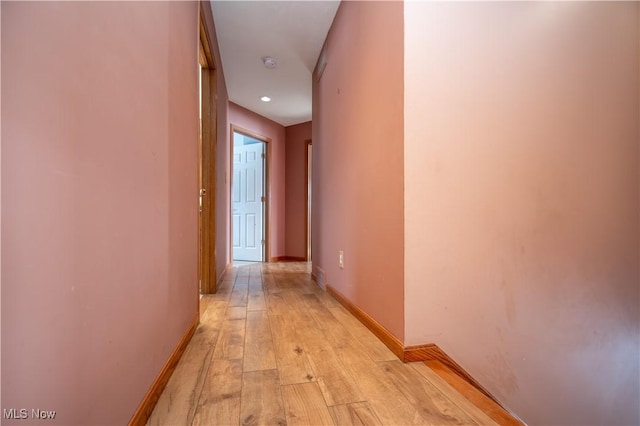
{"x": 296, "y": 258}
{"x": 287, "y": 259}
{"x": 221, "y": 277}
{"x": 150, "y": 400}
{"x": 431, "y": 352}
{"x": 489, "y": 405}
{"x": 374, "y": 326}
{"x": 416, "y": 353}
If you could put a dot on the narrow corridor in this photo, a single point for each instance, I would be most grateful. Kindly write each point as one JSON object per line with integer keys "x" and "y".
{"x": 274, "y": 348}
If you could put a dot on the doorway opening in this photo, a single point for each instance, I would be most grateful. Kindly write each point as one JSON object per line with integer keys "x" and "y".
{"x": 206, "y": 164}
{"x": 249, "y": 196}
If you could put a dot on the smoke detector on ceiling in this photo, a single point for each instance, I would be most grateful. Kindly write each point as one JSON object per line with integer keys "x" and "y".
{"x": 269, "y": 62}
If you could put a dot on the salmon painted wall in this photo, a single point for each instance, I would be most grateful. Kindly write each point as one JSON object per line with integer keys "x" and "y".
{"x": 223, "y": 180}
{"x": 357, "y": 160}
{"x": 296, "y": 189}
{"x": 521, "y": 201}
{"x": 259, "y": 125}
{"x": 99, "y": 211}
{"x": 0, "y": 201}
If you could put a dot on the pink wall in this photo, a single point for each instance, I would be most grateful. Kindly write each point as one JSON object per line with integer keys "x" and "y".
{"x": 0, "y": 200}
{"x": 357, "y": 160}
{"x": 521, "y": 201}
{"x": 296, "y": 189}
{"x": 99, "y": 212}
{"x": 262, "y": 126}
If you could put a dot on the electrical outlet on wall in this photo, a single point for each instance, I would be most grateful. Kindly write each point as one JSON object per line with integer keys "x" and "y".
{"x": 341, "y": 259}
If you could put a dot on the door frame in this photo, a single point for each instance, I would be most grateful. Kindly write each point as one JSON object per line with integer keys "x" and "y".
{"x": 267, "y": 189}
{"x": 207, "y": 162}
{"x": 308, "y": 210}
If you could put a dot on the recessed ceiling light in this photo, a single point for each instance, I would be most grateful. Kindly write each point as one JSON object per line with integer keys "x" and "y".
{"x": 269, "y": 62}
{"x": 265, "y": 99}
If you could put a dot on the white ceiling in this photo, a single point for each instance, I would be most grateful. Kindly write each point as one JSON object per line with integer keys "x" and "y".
{"x": 292, "y": 32}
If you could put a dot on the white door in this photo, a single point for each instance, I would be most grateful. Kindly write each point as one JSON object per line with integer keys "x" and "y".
{"x": 247, "y": 202}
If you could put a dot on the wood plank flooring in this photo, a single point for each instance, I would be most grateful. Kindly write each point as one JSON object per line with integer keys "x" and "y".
{"x": 273, "y": 348}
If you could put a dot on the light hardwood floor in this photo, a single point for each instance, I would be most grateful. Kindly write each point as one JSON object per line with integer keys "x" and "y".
{"x": 274, "y": 348}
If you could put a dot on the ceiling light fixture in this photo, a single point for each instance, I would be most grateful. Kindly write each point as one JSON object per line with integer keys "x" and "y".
{"x": 265, "y": 99}
{"x": 269, "y": 62}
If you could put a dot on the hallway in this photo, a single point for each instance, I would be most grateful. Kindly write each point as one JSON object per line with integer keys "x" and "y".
{"x": 273, "y": 348}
